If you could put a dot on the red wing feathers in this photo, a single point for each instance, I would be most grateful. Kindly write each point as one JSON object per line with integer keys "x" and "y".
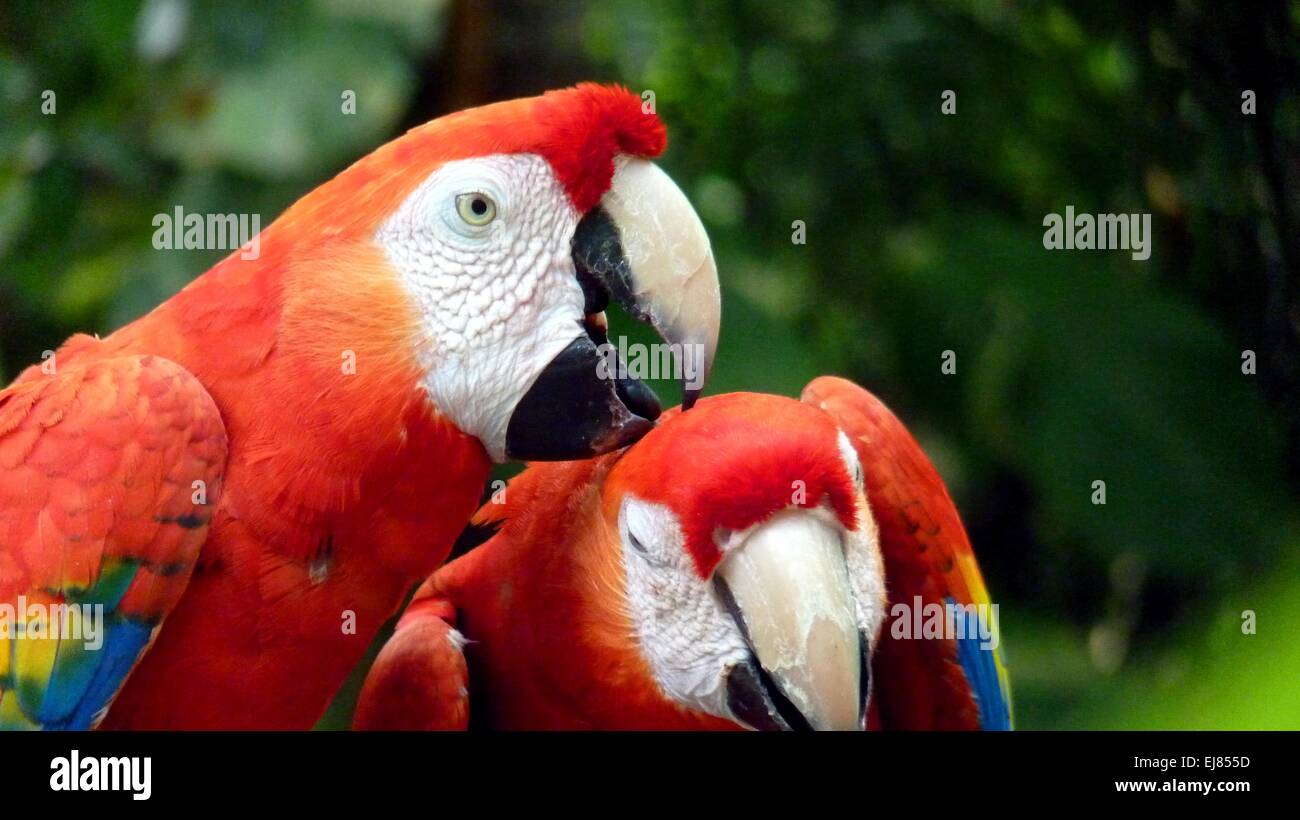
{"x": 420, "y": 680}
{"x": 101, "y": 466}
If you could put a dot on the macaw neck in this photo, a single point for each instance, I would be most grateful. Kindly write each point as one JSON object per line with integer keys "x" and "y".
{"x": 311, "y": 355}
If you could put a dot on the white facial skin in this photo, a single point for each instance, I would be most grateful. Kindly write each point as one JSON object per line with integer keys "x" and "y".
{"x": 484, "y": 248}
{"x": 686, "y": 634}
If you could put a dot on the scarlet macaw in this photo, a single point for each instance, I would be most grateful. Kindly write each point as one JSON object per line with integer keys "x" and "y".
{"x": 250, "y": 478}
{"x": 740, "y": 566}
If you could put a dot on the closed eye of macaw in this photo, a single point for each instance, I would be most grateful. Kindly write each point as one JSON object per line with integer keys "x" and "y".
{"x": 736, "y": 568}
{"x": 245, "y": 483}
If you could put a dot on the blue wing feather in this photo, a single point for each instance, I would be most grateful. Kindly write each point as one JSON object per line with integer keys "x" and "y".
{"x": 978, "y": 659}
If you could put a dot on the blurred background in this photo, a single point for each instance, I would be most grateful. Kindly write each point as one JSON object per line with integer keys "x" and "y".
{"x": 924, "y": 234}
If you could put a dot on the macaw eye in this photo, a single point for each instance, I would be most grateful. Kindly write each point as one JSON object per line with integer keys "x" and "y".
{"x": 852, "y": 461}
{"x": 476, "y": 209}
{"x": 636, "y": 543}
{"x": 650, "y": 554}
{"x": 647, "y": 531}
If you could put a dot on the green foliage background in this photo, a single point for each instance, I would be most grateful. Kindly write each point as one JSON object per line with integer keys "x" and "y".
{"x": 924, "y": 234}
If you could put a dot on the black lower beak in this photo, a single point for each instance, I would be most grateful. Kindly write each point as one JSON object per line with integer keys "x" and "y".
{"x": 580, "y": 406}
{"x": 756, "y": 700}
{"x": 752, "y": 695}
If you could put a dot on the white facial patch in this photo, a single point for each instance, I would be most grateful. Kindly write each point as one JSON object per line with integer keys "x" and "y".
{"x": 685, "y": 634}
{"x": 862, "y": 553}
{"x": 497, "y": 300}
{"x": 866, "y": 573}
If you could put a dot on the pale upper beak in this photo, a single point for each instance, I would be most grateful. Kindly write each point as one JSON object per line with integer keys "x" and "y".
{"x": 787, "y": 585}
{"x": 672, "y": 280}
{"x": 644, "y": 247}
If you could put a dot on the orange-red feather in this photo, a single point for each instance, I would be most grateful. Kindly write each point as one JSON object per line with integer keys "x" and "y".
{"x": 420, "y": 680}
{"x": 99, "y": 469}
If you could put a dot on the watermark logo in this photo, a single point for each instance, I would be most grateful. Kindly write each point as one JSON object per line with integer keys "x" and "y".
{"x": 682, "y": 362}
{"x": 200, "y": 232}
{"x": 65, "y": 622}
{"x": 102, "y": 774}
{"x": 950, "y": 621}
{"x": 1103, "y": 232}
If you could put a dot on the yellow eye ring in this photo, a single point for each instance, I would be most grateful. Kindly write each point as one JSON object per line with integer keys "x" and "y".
{"x": 476, "y": 209}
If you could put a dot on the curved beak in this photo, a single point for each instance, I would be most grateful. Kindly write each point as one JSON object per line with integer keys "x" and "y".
{"x": 645, "y": 248}
{"x": 788, "y": 588}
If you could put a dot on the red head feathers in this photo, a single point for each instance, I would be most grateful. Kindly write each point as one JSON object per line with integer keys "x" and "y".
{"x": 577, "y": 130}
{"x": 750, "y": 456}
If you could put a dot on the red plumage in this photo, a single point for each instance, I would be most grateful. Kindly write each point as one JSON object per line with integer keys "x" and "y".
{"x": 589, "y": 125}
{"x": 740, "y": 476}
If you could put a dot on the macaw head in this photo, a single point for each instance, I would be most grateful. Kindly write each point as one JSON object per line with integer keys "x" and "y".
{"x": 509, "y": 228}
{"x": 753, "y": 575}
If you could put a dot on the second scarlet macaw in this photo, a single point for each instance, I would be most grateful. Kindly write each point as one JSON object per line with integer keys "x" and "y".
{"x": 757, "y": 562}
